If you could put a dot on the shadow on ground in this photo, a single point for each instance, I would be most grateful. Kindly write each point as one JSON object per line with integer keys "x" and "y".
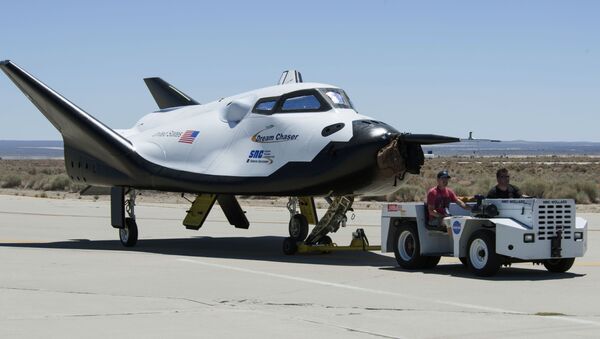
{"x": 266, "y": 248}
{"x": 536, "y": 273}
{"x": 269, "y": 248}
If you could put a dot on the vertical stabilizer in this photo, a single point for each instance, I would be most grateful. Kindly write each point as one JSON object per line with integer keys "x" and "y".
{"x": 166, "y": 95}
{"x": 289, "y": 77}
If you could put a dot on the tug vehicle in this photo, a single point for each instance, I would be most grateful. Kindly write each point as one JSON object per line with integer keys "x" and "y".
{"x": 496, "y": 232}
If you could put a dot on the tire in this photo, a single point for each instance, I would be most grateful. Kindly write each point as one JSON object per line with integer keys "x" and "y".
{"x": 289, "y": 246}
{"x": 326, "y": 240}
{"x": 298, "y": 227}
{"x": 129, "y": 234}
{"x": 407, "y": 249}
{"x": 559, "y": 265}
{"x": 482, "y": 258}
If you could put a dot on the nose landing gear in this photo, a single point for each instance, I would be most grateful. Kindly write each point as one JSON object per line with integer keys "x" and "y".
{"x": 318, "y": 240}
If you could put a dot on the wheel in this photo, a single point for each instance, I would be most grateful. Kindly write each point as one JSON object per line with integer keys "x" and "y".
{"x": 326, "y": 240}
{"x": 482, "y": 258}
{"x": 559, "y": 265}
{"x": 407, "y": 249}
{"x": 129, "y": 234}
{"x": 289, "y": 246}
{"x": 298, "y": 227}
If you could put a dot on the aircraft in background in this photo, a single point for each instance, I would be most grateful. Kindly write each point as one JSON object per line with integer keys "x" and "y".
{"x": 294, "y": 139}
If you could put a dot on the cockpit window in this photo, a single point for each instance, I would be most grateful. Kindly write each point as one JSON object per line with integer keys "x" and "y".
{"x": 301, "y": 103}
{"x": 266, "y": 105}
{"x": 305, "y": 100}
{"x": 338, "y": 97}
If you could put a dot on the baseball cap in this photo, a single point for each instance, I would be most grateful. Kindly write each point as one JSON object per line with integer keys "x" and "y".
{"x": 443, "y": 174}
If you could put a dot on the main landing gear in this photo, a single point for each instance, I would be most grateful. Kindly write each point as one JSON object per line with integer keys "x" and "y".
{"x": 123, "y": 215}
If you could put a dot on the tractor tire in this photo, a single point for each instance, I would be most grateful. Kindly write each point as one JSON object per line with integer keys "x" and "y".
{"x": 559, "y": 265}
{"x": 407, "y": 249}
{"x": 481, "y": 256}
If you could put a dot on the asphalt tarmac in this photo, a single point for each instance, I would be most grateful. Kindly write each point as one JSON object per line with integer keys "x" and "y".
{"x": 64, "y": 274}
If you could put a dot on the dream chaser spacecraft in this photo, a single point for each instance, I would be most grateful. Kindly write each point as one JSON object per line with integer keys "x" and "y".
{"x": 294, "y": 139}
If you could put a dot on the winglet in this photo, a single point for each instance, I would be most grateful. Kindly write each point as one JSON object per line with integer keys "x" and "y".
{"x": 77, "y": 127}
{"x": 166, "y": 95}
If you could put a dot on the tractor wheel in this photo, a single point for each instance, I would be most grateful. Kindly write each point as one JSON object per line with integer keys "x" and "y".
{"x": 482, "y": 257}
{"x": 559, "y": 265}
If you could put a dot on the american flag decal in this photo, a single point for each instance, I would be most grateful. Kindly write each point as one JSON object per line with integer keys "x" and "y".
{"x": 189, "y": 136}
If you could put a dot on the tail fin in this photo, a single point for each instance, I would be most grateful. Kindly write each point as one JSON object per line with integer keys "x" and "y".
{"x": 166, "y": 95}
{"x": 290, "y": 76}
{"x": 80, "y": 130}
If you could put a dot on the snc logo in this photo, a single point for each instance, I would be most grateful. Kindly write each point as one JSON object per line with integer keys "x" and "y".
{"x": 256, "y": 154}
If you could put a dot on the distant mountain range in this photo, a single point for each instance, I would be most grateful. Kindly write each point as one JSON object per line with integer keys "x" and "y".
{"x": 31, "y": 149}
{"x": 48, "y": 149}
{"x": 515, "y": 147}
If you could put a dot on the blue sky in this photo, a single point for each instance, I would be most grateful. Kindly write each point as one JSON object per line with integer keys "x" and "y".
{"x": 506, "y": 70}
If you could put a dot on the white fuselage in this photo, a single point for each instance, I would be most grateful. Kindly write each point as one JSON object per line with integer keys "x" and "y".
{"x": 233, "y": 141}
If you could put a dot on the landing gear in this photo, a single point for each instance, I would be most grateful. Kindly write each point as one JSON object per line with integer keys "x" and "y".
{"x": 330, "y": 222}
{"x": 298, "y": 227}
{"x": 290, "y": 246}
{"x": 129, "y": 234}
{"x": 326, "y": 240}
{"x": 123, "y": 215}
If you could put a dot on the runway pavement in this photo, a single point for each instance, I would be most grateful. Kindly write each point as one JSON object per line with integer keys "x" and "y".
{"x": 64, "y": 274}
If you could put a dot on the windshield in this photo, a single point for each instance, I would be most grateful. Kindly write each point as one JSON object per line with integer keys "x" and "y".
{"x": 337, "y": 97}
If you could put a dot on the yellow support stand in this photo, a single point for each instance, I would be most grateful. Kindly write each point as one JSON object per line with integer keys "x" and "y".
{"x": 197, "y": 214}
{"x": 359, "y": 243}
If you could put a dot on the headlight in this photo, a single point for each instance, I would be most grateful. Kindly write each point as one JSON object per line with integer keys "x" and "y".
{"x": 578, "y": 236}
{"x": 528, "y": 237}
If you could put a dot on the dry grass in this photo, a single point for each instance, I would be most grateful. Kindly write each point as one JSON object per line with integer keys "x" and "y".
{"x": 39, "y": 175}
{"x": 552, "y": 177}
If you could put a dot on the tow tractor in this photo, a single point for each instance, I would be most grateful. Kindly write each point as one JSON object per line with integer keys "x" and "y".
{"x": 496, "y": 232}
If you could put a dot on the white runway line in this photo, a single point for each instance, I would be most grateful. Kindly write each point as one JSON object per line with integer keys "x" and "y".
{"x": 373, "y": 291}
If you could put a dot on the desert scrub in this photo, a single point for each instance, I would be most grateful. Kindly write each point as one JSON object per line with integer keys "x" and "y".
{"x": 534, "y": 187}
{"x": 11, "y": 181}
{"x": 588, "y": 188}
{"x": 407, "y": 193}
{"x": 60, "y": 182}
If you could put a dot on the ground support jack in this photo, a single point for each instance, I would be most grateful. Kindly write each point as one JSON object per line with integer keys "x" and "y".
{"x": 359, "y": 243}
